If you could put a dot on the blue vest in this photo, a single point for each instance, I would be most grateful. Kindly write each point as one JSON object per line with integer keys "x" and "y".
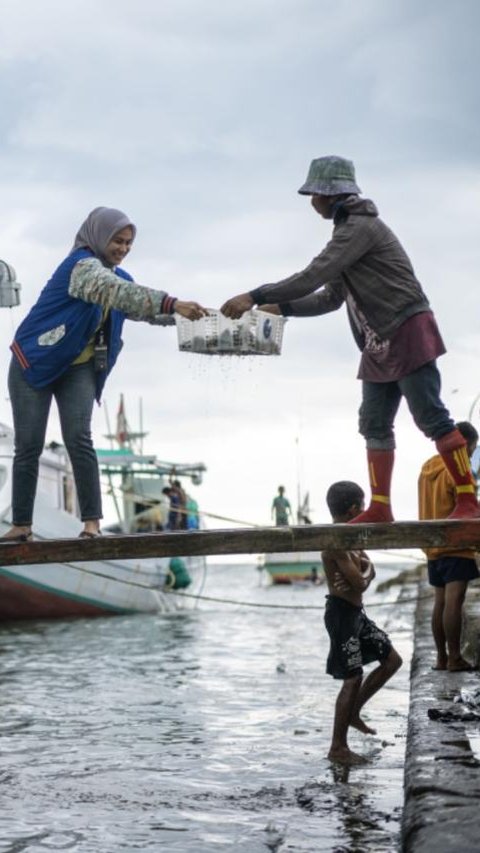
{"x": 59, "y": 326}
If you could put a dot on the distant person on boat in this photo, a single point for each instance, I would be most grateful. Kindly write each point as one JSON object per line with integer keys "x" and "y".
{"x": 181, "y": 495}
{"x": 281, "y": 509}
{"x": 354, "y": 639}
{"x": 449, "y": 570}
{"x": 66, "y": 347}
{"x": 193, "y": 517}
{"x": 365, "y": 267}
{"x": 174, "y": 517}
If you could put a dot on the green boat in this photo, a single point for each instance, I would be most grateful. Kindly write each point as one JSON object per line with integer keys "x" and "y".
{"x": 294, "y": 567}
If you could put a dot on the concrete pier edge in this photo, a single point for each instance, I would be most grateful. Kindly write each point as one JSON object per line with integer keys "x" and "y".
{"x": 442, "y": 774}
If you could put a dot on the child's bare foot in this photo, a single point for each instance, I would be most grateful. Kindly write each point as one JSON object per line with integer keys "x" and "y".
{"x": 441, "y": 663}
{"x": 460, "y": 665}
{"x": 344, "y": 755}
{"x": 361, "y": 726}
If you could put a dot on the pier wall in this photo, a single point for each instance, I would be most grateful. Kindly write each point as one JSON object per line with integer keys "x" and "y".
{"x": 442, "y": 765}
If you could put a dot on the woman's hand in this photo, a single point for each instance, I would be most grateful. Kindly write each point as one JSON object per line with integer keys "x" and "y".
{"x": 235, "y": 307}
{"x": 190, "y": 310}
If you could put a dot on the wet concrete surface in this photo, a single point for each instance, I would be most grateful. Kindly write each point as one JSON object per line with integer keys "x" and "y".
{"x": 442, "y": 766}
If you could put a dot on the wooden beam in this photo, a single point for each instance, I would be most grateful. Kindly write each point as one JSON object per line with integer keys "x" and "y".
{"x": 403, "y": 534}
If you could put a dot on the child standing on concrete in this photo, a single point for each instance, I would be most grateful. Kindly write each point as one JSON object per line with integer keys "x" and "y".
{"x": 354, "y": 639}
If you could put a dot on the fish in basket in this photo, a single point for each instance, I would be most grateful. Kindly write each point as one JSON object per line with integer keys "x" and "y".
{"x": 255, "y": 333}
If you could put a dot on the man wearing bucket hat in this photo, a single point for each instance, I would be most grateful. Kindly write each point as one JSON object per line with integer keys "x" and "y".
{"x": 365, "y": 267}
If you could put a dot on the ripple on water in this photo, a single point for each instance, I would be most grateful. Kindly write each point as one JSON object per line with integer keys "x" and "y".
{"x": 183, "y": 733}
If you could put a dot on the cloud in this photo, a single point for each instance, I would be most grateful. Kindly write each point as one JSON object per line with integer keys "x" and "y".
{"x": 200, "y": 120}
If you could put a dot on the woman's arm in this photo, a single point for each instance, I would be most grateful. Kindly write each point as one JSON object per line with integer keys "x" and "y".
{"x": 348, "y": 244}
{"x": 93, "y": 282}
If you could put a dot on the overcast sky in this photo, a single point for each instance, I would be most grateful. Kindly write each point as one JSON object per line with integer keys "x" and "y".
{"x": 199, "y": 119}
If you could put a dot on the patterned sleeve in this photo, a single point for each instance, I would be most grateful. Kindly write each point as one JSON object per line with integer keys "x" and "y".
{"x": 93, "y": 282}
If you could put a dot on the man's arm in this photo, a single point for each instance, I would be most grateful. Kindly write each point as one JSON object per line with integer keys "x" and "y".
{"x": 328, "y": 298}
{"x": 349, "y": 243}
{"x": 273, "y": 507}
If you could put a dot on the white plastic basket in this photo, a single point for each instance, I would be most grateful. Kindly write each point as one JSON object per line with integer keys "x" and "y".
{"x": 256, "y": 333}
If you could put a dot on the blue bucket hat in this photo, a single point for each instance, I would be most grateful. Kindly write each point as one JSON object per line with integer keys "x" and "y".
{"x": 330, "y": 176}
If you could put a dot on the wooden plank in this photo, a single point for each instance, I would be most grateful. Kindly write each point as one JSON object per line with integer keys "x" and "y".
{"x": 403, "y": 534}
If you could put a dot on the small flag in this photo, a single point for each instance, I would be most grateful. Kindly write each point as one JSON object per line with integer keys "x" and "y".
{"x": 122, "y": 432}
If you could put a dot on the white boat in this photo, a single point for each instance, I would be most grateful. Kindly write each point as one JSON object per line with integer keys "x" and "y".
{"x": 105, "y": 586}
{"x": 59, "y": 590}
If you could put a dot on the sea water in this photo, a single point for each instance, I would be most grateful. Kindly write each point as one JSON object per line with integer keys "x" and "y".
{"x": 197, "y": 732}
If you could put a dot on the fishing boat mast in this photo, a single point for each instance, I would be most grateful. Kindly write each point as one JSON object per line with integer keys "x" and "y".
{"x": 303, "y": 504}
{"x": 142, "y": 476}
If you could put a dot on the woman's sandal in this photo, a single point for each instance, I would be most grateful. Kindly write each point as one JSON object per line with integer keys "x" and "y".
{"x": 85, "y": 534}
{"x": 19, "y": 537}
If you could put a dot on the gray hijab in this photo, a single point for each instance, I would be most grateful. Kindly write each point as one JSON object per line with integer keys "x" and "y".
{"x": 99, "y": 228}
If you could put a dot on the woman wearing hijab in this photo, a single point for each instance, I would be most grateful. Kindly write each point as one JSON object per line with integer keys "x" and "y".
{"x": 66, "y": 347}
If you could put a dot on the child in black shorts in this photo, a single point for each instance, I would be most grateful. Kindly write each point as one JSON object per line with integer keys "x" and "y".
{"x": 354, "y": 639}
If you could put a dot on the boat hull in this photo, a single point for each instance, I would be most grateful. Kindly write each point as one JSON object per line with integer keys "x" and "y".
{"x": 293, "y": 567}
{"x": 58, "y": 590}
{"x": 22, "y": 600}
{"x": 63, "y": 590}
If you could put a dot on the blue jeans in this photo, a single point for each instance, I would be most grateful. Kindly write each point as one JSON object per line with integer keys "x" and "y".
{"x": 74, "y": 392}
{"x": 380, "y": 402}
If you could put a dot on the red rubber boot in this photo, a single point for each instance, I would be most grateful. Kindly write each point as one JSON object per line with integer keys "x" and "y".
{"x": 453, "y": 450}
{"x": 380, "y": 467}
